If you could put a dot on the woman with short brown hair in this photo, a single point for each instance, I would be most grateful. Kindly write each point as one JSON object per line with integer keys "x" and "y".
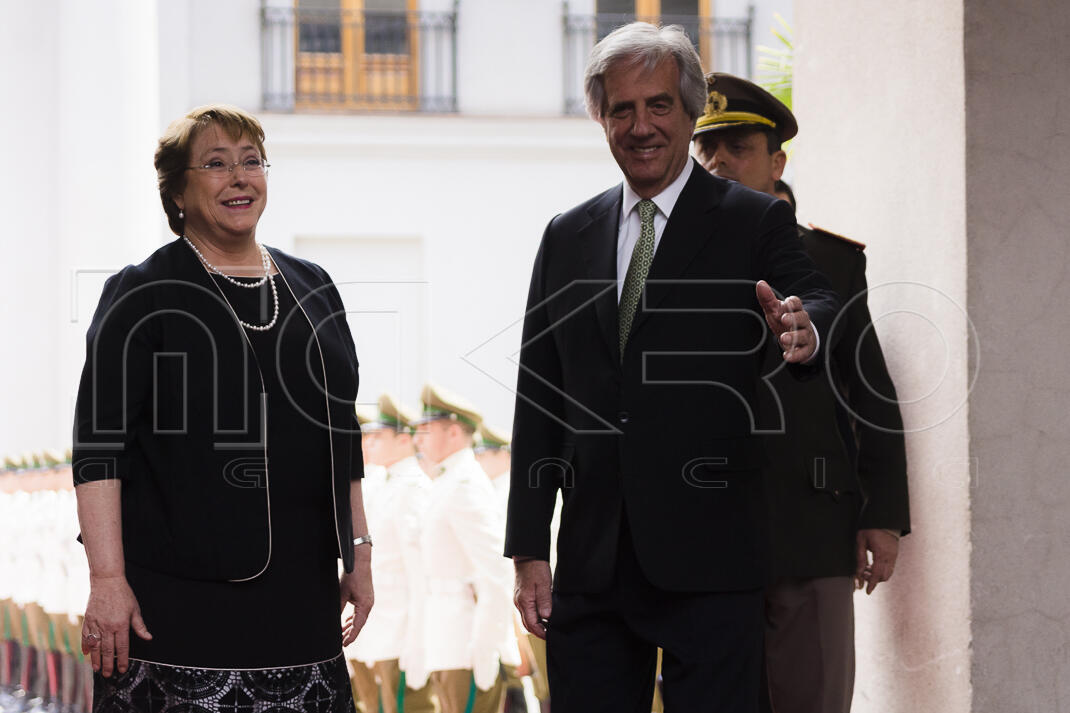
{"x": 217, "y": 457}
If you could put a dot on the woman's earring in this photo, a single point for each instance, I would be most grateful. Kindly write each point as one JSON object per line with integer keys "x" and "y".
{"x": 181, "y": 215}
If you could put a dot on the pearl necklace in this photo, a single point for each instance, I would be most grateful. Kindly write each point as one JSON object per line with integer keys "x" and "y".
{"x": 268, "y": 277}
{"x": 264, "y": 260}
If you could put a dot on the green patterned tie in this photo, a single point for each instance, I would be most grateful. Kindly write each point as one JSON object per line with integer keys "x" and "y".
{"x": 642, "y": 256}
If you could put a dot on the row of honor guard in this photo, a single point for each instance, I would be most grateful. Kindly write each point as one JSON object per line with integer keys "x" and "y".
{"x": 443, "y": 626}
{"x": 44, "y": 585}
{"x": 443, "y": 629}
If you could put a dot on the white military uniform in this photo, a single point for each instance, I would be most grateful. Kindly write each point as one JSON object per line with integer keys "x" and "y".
{"x": 468, "y": 610}
{"x": 393, "y": 629}
{"x": 510, "y": 650}
{"x": 501, "y": 494}
{"x": 371, "y": 485}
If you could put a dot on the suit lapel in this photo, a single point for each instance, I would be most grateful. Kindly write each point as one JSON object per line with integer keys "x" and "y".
{"x": 598, "y": 244}
{"x": 686, "y": 233}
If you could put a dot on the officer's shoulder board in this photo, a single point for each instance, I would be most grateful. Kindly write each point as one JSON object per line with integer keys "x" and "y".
{"x": 829, "y": 234}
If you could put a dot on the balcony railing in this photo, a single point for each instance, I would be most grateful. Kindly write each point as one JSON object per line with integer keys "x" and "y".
{"x": 724, "y": 44}
{"x": 356, "y": 60}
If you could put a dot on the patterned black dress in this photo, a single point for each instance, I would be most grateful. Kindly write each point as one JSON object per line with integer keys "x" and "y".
{"x": 272, "y": 643}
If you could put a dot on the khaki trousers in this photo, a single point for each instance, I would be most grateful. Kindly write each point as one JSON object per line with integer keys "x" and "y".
{"x": 538, "y": 668}
{"x": 809, "y": 645}
{"x": 414, "y": 701}
{"x": 457, "y": 693}
{"x": 657, "y": 705}
{"x": 512, "y": 687}
{"x": 365, "y": 687}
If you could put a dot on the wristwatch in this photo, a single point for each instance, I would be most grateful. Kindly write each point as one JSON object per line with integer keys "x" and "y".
{"x": 363, "y": 540}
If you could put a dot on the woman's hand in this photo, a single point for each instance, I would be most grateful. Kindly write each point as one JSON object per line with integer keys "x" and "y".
{"x": 356, "y": 587}
{"x": 111, "y": 613}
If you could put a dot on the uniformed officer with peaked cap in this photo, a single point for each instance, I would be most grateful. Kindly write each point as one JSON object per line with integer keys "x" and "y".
{"x": 734, "y": 101}
{"x": 836, "y": 484}
{"x": 440, "y": 404}
{"x": 391, "y": 642}
{"x": 468, "y": 608}
{"x": 492, "y": 438}
{"x": 492, "y": 452}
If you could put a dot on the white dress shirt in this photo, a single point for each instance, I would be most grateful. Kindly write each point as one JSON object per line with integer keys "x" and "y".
{"x": 630, "y": 224}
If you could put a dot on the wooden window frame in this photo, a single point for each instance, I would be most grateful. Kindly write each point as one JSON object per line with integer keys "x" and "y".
{"x": 353, "y": 75}
{"x": 650, "y": 11}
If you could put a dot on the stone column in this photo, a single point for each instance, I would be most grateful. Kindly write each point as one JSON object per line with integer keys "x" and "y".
{"x": 1018, "y": 227}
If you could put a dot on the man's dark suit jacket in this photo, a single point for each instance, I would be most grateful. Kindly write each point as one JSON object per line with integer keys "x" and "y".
{"x": 664, "y": 434}
{"x": 840, "y": 465}
{"x": 170, "y": 404}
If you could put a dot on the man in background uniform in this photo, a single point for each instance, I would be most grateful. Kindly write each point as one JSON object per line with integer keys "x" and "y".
{"x": 467, "y": 610}
{"x": 391, "y": 642}
{"x": 492, "y": 453}
{"x": 494, "y": 456}
{"x": 836, "y": 486}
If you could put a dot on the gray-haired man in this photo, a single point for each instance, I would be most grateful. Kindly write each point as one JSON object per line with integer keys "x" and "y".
{"x": 638, "y": 370}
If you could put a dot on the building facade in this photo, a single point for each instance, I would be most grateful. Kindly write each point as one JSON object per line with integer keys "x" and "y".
{"x": 418, "y": 149}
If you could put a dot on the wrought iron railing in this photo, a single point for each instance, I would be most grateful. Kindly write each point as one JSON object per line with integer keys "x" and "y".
{"x": 358, "y": 60}
{"x": 723, "y": 43}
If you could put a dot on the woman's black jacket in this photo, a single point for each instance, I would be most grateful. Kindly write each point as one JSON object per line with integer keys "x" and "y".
{"x": 170, "y": 404}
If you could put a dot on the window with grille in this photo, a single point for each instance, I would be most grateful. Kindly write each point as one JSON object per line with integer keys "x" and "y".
{"x": 357, "y": 54}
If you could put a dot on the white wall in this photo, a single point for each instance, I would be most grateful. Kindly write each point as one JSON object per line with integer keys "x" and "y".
{"x": 209, "y": 53}
{"x": 881, "y": 158}
{"x": 108, "y": 88}
{"x": 176, "y": 75}
{"x": 509, "y": 57}
{"x": 29, "y": 127}
{"x": 82, "y": 196}
{"x": 388, "y": 305}
{"x": 764, "y": 20}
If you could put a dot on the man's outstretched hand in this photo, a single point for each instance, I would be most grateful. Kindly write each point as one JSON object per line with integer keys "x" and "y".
{"x": 790, "y": 324}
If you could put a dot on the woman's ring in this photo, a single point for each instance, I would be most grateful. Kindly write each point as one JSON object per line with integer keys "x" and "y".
{"x": 91, "y": 636}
